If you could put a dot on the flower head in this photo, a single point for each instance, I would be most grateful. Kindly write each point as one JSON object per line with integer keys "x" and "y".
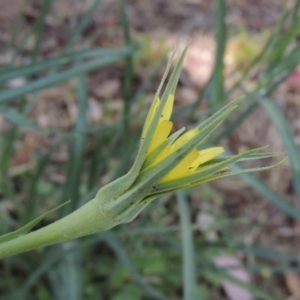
{"x": 168, "y": 162}
{"x": 192, "y": 161}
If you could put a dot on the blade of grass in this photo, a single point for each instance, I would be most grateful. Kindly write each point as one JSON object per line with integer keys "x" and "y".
{"x": 18, "y": 118}
{"x": 31, "y": 201}
{"x": 7, "y": 153}
{"x": 39, "y": 28}
{"x": 97, "y": 161}
{"x": 290, "y": 61}
{"x": 84, "y": 21}
{"x": 99, "y": 157}
{"x": 70, "y": 268}
{"x": 54, "y": 79}
{"x": 252, "y": 104}
{"x": 15, "y": 27}
{"x": 123, "y": 257}
{"x": 154, "y": 230}
{"x": 49, "y": 262}
{"x": 284, "y": 130}
{"x": 70, "y": 272}
{"x": 268, "y": 193}
{"x": 75, "y": 163}
{"x": 26, "y": 36}
{"x": 45, "y": 266}
{"x": 44, "y": 65}
{"x": 26, "y": 228}
{"x": 268, "y": 253}
{"x": 128, "y": 71}
{"x": 126, "y": 155}
{"x": 263, "y": 53}
{"x": 188, "y": 253}
{"x": 217, "y": 85}
{"x": 192, "y": 108}
{"x": 282, "y": 44}
{"x": 264, "y": 91}
{"x": 148, "y": 80}
{"x": 296, "y": 10}
{"x": 273, "y": 270}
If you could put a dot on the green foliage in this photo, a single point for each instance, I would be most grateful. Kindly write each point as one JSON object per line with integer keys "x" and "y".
{"x": 146, "y": 259}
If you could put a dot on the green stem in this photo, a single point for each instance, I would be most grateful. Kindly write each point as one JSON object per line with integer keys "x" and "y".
{"x": 88, "y": 219}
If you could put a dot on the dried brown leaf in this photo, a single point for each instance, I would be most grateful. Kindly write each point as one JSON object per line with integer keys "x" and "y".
{"x": 233, "y": 291}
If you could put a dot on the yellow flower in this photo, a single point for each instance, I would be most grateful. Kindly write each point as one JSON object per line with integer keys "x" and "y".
{"x": 189, "y": 163}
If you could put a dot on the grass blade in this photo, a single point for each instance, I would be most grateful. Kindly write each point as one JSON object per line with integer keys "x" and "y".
{"x": 121, "y": 254}
{"x": 75, "y": 165}
{"x": 267, "y": 192}
{"x": 284, "y": 130}
{"x": 128, "y": 71}
{"x": 70, "y": 272}
{"x": 217, "y": 85}
{"x": 23, "y": 230}
{"x": 188, "y": 253}
{"x": 40, "y": 25}
{"x": 57, "y": 78}
{"x": 44, "y": 65}
{"x": 81, "y": 25}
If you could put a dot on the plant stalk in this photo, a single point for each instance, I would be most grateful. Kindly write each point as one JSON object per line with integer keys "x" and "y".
{"x": 88, "y": 219}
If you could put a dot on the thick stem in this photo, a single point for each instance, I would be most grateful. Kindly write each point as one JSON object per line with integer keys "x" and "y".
{"x": 86, "y": 220}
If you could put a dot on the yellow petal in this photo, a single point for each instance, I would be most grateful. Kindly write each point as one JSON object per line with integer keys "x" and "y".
{"x": 206, "y": 155}
{"x": 184, "y": 139}
{"x": 182, "y": 169}
{"x": 178, "y": 143}
{"x": 150, "y": 116}
{"x": 161, "y": 133}
{"x": 167, "y": 111}
{"x": 162, "y": 155}
{"x": 165, "y": 115}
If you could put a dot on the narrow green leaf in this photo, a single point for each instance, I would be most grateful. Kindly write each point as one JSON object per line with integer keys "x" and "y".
{"x": 129, "y": 71}
{"x": 217, "y": 83}
{"x": 70, "y": 272}
{"x": 268, "y": 253}
{"x": 269, "y": 45}
{"x": 44, "y": 65}
{"x": 81, "y": 25}
{"x": 268, "y": 193}
{"x": 39, "y": 28}
{"x": 125, "y": 260}
{"x": 30, "y": 209}
{"x": 282, "y": 126}
{"x": 19, "y": 119}
{"x": 23, "y": 230}
{"x": 188, "y": 252}
{"x": 54, "y": 79}
{"x": 75, "y": 163}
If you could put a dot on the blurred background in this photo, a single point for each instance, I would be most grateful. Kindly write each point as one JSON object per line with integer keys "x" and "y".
{"x": 77, "y": 79}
